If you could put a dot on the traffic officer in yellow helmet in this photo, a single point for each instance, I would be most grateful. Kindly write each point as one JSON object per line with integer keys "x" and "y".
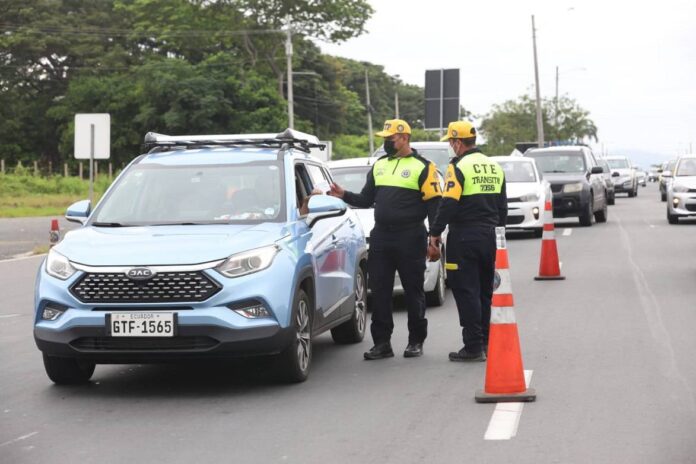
{"x": 404, "y": 189}
{"x": 474, "y": 203}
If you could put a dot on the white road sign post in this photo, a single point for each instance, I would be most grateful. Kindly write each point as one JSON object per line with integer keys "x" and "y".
{"x": 92, "y": 141}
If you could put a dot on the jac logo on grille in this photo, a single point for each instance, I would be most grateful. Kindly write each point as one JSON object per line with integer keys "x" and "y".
{"x": 140, "y": 273}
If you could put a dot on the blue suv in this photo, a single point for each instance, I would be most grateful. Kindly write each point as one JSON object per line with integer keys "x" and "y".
{"x": 204, "y": 246}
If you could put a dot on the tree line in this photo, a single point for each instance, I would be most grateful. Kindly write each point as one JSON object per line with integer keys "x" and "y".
{"x": 194, "y": 66}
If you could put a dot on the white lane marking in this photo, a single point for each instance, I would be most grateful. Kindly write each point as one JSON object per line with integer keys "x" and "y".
{"x": 567, "y": 232}
{"x": 21, "y": 258}
{"x": 23, "y": 437}
{"x": 2, "y": 316}
{"x": 506, "y": 417}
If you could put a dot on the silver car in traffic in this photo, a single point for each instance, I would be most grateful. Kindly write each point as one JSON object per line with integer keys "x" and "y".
{"x": 527, "y": 192}
{"x": 681, "y": 192}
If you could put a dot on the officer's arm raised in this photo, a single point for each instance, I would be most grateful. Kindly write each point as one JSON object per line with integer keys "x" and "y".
{"x": 366, "y": 197}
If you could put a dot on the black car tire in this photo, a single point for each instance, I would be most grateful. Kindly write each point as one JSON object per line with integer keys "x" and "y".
{"x": 611, "y": 200}
{"x": 353, "y": 330}
{"x": 436, "y": 297}
{"x": 586, "y": 216}
{"x": 603, "y": 214}
{"x": 672, "y": 218}
{"x": 68, "y": 371}
{"x": 296, "y": 359}
{"x": 663, "y": 196}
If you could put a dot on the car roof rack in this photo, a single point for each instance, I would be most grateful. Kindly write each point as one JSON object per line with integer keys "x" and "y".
{"x": 290, "y": 137}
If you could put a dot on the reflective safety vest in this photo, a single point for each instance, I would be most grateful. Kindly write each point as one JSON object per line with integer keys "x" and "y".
{"x": 481, "y": 174}
{"x": 405, "y": 172}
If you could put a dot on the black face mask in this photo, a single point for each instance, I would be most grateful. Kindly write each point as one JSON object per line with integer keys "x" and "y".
{"x": 389, "y": 147}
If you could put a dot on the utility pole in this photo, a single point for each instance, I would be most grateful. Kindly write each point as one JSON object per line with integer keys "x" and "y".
{"x": 369, "y": 114}
{"x": 556, "y": 115}
{"x": 540, "y": 122}
{"x": 288, "y": 54}
{"x": 396, "y": 97}
{"x": 396, "y": 104}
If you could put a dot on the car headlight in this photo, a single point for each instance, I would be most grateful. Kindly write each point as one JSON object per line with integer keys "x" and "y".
{"x": 572, "y": 188}
{"x": 530, "y": 197}
{"x": 59, "y": 266}
{"x": 680, "y": 188}
{"x": 248, "y": 262}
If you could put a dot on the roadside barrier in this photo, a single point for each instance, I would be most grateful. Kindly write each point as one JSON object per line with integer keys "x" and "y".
{"x": 54, "y": 233}
{"x": 549, "y": 266}
{"x": 504, "y": 371}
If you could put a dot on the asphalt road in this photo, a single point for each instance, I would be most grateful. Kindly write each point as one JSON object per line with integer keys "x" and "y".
{"x": 21, "y": 235}
{"x": 611, "y": 350}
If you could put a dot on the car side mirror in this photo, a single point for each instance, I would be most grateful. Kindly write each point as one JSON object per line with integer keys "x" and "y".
{"x": 615, "y": 174}
{"x": 323, "y": 207}
{"x": 596, "y": 170}
{"x": 78, "y": 211}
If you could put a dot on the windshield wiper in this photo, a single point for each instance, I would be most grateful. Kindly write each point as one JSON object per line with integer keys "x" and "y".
{"x": 109, "y": 224}
{"x": 185, "y": 224}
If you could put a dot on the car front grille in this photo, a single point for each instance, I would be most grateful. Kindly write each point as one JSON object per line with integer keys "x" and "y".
{"x": 114, "y": 287}
{"x": 512, "y": 220}
{"x": 143, "y": 344}
{"x": 690, "y": 207}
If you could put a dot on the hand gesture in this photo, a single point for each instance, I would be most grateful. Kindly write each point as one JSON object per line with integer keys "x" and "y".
{"x": 336, "y": 191}
{"x": 433, "y": 252}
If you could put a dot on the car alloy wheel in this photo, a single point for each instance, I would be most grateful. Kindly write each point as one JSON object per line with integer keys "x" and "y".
{"x": 353, "y": 330}
{"x": 360, "y": 305}
{"x": 304, "y": 336}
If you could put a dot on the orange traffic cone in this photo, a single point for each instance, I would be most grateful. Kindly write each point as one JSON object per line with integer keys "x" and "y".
{"x": 549, "y": 268}
{"x": 54, "y": 233}
{"x": 504, "y": 371}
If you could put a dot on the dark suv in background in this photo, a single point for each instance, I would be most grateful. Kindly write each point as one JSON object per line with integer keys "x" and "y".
{"x": 576, "y": 180}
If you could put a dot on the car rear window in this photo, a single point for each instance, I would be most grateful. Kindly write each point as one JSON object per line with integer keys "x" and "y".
{"x": 558, "y": 162}
{"x": 352, "y": 179}
{"x": 518, "y": 171}
{"x": 686, "y": 167}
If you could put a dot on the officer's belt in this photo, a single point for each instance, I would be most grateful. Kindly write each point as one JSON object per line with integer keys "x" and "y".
{"x": 398, "y": 227}
{"x": 454, "y": 227}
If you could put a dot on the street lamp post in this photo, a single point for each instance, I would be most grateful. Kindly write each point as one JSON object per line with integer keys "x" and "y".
{"x": 539, "y": 120}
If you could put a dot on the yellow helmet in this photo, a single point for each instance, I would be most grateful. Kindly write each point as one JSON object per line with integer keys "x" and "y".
{"x": 394, "y": 126}
{"x": 459, "y": 130}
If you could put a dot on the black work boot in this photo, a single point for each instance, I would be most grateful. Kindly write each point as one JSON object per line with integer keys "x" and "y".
{"x": 413, "y": 350}
{"x": 464, "y": 356}
{"x": 379, "y": 351}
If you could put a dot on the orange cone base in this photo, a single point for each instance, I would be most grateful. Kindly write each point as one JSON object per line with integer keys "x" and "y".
{"x": 526, "y": 396}
{"x": 558, "y": 277}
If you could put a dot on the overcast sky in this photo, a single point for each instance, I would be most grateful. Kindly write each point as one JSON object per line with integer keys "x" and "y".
{"x": 631, "y": 64}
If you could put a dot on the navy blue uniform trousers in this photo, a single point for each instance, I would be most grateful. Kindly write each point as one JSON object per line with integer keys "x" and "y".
{"x": 403, "y": 250}
{"x": 472, "y": 250}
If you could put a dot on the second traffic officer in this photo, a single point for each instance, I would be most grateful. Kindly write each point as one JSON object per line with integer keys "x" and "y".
{"x": 404, "y": 188}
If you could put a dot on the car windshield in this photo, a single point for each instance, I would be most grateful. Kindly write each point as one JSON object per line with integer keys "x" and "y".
{"x": 687, "y": 167}
{"x": 559, "y": 162}
{"x": 518, "y": 171}
{"x": 156, "y": 194}
{"x": 351, "y": 178}
{"x": 618, "y": 163}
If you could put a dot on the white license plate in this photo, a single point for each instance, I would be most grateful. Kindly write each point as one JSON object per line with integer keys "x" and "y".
{"x": 142, "y": 324}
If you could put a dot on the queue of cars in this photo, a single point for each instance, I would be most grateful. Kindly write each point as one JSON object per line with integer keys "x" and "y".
{"x": 232, "y": 251}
